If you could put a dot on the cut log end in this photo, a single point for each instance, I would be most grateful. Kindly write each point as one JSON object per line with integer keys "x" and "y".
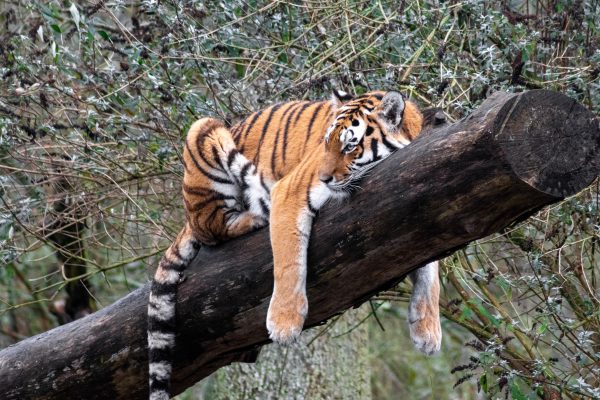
{"x": 551, "y": 142}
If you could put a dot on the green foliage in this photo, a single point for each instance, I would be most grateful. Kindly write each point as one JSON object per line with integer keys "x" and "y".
{"x": 96, "y": 98}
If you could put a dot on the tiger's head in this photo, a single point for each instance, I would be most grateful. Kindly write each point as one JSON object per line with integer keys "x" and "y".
{"x": 365, "y": 130}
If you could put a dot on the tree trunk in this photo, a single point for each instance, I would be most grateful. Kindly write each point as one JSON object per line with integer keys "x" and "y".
{"x": 513, "y": 155}
{"x": 66, "y": 224}
{"x": 325, "y": 364}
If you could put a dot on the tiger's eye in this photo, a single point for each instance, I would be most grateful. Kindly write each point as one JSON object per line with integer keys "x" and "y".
{"x": 349, "y": 148}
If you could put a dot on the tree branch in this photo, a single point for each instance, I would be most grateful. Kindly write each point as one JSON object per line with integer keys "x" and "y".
{"x": 456, "y": 183}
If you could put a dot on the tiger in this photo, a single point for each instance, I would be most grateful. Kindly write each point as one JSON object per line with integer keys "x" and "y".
{"x": 278, "y": 167}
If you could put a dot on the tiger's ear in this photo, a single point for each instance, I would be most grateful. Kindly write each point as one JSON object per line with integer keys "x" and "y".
{"x": 392, "y": 109}
{"x": 339, "y": 97}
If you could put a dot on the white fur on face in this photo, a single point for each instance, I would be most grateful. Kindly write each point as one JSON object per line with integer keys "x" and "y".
{"x": 352, "y": 136}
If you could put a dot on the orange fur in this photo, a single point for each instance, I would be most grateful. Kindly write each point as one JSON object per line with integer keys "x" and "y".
{"x": 282, "y": 163}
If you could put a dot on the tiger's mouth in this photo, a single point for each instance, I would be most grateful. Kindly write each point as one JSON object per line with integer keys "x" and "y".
{"x": 348, "y": 185}
{"x": 352, "y": 182}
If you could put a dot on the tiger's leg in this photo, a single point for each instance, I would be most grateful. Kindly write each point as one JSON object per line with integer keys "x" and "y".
{"x": 253, "y": 195}
{"x": 292, "y": 214}
{"x": 255, "y": 189}
{"x": 231, "y": 197}
{"x": 423, "y": 314}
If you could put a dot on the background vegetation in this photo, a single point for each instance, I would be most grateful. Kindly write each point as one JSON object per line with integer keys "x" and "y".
{"x": 96, "y": 97}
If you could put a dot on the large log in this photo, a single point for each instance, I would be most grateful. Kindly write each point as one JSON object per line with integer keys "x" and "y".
{"x": 513, "y": 155}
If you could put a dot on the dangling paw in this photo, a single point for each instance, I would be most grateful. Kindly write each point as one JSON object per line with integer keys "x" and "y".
{"x": 424, "y": 326}
{"x": 285, "y": 318}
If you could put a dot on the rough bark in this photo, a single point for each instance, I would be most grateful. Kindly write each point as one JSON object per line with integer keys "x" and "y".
{"x": 513, "y": 155}
{"x": 328, "y": 362}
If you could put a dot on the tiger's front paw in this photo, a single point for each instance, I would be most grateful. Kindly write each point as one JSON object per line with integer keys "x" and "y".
{"x": 285, "y": 318}
{"x": 424, "y": 326}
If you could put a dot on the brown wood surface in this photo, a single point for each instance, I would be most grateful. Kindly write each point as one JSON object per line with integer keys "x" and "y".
{"x": 454, "y": 184}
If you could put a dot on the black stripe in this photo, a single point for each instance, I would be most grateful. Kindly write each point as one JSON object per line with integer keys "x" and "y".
{"x": 375, "y": 149}
{"x": 387, "y": 144}
{"x": 230, "y": 211}
{"x": 262, "y": 183}
{"x": 177, "y": 253}
{"x": 179, "y": 267}
{"x": 237, "y": 129}
{"x": 252, "y": 122}
{"x": 167, "y": 263}
{"x": 205, "y": 159}
{"x": 310, "y": 206}
{"x": 214, "y": 212}
{"x": 274, "y": 150}
{"x": 172, "y": 265}
{"x": 216, "y": 197}
{"x": 158, "y": 385}
{"x": 287, "y": 128}
{"x": 231, "y": 157}
{"x": 197, "y": 190}
{"x": 312, "y": 121}
{"x": 162, "y": 326}
{"x": 304, "y": 107}
{"x": 158, "y": 355}
{"x": 202, "y": 170}
{"x": 244, "y": 186}
{"x": 243, "y": 173}
{"x": 362, "y": 164}
{"x": 160, "y": 289}
{"x": 249, "y": 128}
{"x": 285, "y": 134}
{"x": 264, "y": 207}
{"x": 272, "y": 111}
{"x": 216, "y": 157}
{"x": 207, "y": 236}
{"x": 199, "y": 143}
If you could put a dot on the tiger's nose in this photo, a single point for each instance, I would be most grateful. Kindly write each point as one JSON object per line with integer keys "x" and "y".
{"x": 325, "y": 178}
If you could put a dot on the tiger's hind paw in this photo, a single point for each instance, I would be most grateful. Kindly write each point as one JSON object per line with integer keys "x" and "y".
{"x": 426, "y": 334}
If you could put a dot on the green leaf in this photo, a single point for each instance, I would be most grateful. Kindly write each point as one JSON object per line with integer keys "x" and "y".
{"x": 515, "y": 391}
{"x": 153, "y": 147}
{"x": 104, "y": 35}
{"x": 119, "y": 99}
{"x": 486, "y": 313}
{"x": 483, "y": 383}
{"x": 543, "y": 327}
{"x": 56, "y": 28}
{"x": 465, "y": 313}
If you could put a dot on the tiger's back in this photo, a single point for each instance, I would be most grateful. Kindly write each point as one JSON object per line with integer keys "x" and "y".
{"x": 277, "y": 138}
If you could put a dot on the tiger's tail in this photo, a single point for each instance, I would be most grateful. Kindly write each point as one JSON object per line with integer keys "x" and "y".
{"x": 161, "y": 311}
